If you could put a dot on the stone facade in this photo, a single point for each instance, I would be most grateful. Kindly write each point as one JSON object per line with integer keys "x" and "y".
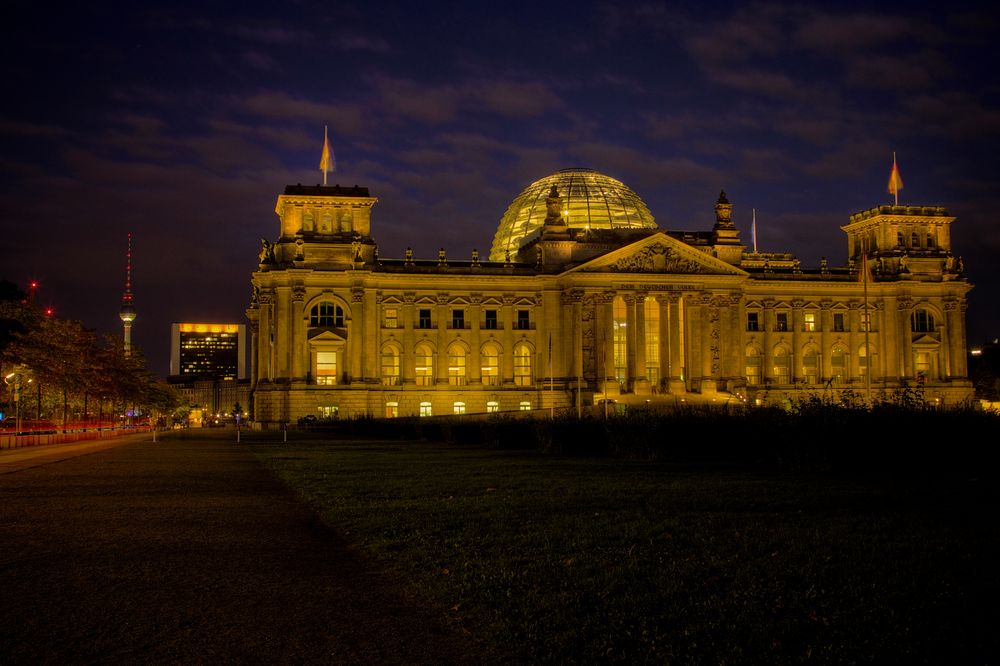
{"x": 573, "y": 315}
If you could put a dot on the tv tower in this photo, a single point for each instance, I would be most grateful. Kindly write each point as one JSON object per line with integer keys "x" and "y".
{"x": 127, "y": 312}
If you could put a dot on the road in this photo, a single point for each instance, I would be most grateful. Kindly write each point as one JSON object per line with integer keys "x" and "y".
{"x": 191, "y": 552}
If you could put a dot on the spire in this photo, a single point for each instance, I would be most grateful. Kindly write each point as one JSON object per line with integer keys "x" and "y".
{"x": 127, "y": 311}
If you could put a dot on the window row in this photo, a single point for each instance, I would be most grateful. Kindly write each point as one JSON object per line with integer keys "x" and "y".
{"x": 781, "y": 365}
{"x": 425, "y": 365}
{"x": 921, "y": 321}
{"x": 425, "y": 319}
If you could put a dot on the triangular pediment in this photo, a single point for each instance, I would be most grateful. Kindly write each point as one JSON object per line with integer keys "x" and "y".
{"x": 926, "y": 341}
{"x": 326, "y": 336}
{"x": 659, "y": 253}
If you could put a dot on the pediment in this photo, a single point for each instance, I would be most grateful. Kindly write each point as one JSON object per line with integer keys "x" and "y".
{"x": 659, "y": 253}
{"x": 926, "y": 341}
{"x": 326, "y": 336}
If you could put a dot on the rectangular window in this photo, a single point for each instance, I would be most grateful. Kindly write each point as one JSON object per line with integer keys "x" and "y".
{"x": 326, "y": 367}
{"x": 391, "y": 410}
{"x": 458, "y": 318}
{"x": 525, "y": 406}
{"x": 390, "y": 318}
{"x": 424, "y": 319}
{"x": 492, "y": 407}
{"x": 459, "y": 407}
{"x": 866, "y": 321}
{"x": 753, "y": 323}
{"x": 491, "y": 320}
{"x": 781, "y": 321}
{"x": 838, "y": 322}
{"x": 809, "y": 322}
{"x": 523, "y": 322}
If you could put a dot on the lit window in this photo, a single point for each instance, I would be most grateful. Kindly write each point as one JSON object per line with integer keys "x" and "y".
{"x": 810, "y": 366}
{"x": 782, "y": 366}
{"x": 459, "y": 407}
{"x": 425, "y": 409}
{"x": 490, "y": 369}
{"x": 391, "y": 410}
{"x": 809, "y": 322}
{"x": 838, "y": 363}
{"x": 390, "y": 318}
{"x": 329, "y": 411}
{"x": 522, "y": 365}
{"x": 326, "y": 367}
{"x": 652, "y": 318}
{"x": 620, "y": 339}
{"x": 753, "y": 366}
{"x": 326, "y": 314}
{"x": 456, "y": 365}
{"x": 863, "y": 360}
{"x": 525, "y": 406}
{"x": 425, "y": 365}
{"x": 921, "y": 363}
{"x": 390, "y": 366}
{"x": 492, "y": 407}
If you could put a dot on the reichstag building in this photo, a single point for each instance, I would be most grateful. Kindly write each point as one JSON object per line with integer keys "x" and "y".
{"x": 584, "y": 300}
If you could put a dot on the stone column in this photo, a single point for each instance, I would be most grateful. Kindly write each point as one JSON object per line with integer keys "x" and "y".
{"x": 797, "y": 324}
{"x": 631, "y": 338}
{"x": 370, "y": 343}
{"x": 356, "y": 334}
{"x": 904, "y": 310}
{"x": 826, "y": 327}
{"x": 507, "y": 364}
{"x": 605, "y": 307}
{"x": 955, "y": 313}
{"x": 640, "y": 384}
{"x": 767, "y": 335}
{"x": 443, "y": 316}
{"x": 675, "y": 384}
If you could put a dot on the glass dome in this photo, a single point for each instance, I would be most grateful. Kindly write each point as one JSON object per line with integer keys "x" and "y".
{"x": 590, "y": 200}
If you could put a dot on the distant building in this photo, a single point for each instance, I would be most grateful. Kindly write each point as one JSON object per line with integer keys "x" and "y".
{"x": 583, "y": 298}
{"x": 207, "y": 351}
{"x": 208, "y": 366}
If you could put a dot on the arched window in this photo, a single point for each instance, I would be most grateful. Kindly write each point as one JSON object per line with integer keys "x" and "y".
{"x": 838, "y": 364}
{"x": 863, "y": 360}
{"x": 326, "y": 314}
{"x": 456, "y": 365}
{"x": 753, "y": 366}
{"x": 522, "y": 365}
{"x": 651, "y": 309}
{"x": 490, "y": 369}
{"x": 782, "y": 365}
{"x": 619, "y": 322}
{"x": 424, "y": 370}
{"x": 810, "y": 365}
{"x": 390, "y": 366}
{"x": 914, "y": 240}
{"x": 922, "y": 321}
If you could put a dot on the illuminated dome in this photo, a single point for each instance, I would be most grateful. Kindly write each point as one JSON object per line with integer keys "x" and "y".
{"x": 590, "y": 200}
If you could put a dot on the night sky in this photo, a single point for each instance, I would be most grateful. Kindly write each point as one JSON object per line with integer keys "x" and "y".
{"x": 182, "y": 123}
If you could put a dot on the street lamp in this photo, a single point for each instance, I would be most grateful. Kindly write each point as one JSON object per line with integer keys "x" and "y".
{"x": 16, "y": 376}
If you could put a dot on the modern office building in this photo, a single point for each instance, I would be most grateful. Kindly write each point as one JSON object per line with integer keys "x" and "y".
{"x": 207, "y": 351}
{"x": 583, "y": 298}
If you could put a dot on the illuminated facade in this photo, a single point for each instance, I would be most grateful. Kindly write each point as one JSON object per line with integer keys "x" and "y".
{"x": 583, "y": 298}
{"x": 207, "y": 351}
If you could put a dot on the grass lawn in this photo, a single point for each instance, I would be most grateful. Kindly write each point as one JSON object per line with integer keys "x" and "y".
{"x": 572, "y": 560}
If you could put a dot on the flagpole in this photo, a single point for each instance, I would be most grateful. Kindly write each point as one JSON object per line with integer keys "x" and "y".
{"x": 895, "y": 190}
{"x": 326, "y": 149}
{"x": 753, "y": 230}
{"x": 868, "y": 325}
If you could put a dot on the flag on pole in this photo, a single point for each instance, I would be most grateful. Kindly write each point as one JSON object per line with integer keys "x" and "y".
{"x": 753, "y": 230}
{"x": 895, "y": 180}
{"x": 327, "y": 163}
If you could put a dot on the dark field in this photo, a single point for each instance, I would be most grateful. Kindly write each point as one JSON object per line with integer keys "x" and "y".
{"x": 551, "y": 558}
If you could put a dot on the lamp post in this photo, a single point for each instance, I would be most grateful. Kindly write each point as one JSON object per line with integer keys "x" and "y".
{"x": 16, "y": 377}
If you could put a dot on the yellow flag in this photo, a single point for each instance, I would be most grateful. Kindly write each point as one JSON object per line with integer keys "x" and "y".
{"x": 326, "y": 160}
{"x": 895, "y": 180}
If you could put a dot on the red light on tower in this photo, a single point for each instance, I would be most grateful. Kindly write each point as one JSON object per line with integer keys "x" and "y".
{"x": 49, "y": 312}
